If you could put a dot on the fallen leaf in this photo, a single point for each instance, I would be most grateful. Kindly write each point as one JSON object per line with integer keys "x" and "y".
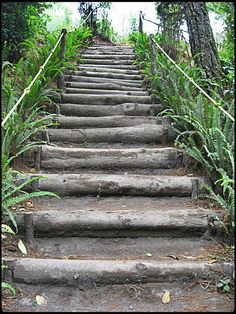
{"x": 22, "y": 247}
{"x": 29, "y": 204}
{"x": 166, "y": 297}
{"x": 40, "y": 300}
{"x": 149, "y": 254}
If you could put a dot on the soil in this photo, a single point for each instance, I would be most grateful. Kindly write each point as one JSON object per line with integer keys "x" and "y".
{"x": 195, "y": 297}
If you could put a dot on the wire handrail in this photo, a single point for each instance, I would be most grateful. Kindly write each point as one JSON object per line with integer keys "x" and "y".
{"x": 188, "y": 77}
{"x": 27, "y": 89}
{"x": 142, "y": 16}
{"x": 194, "y": 83}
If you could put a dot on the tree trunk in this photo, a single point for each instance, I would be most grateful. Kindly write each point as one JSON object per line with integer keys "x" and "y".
{"x": 201, "y": 38}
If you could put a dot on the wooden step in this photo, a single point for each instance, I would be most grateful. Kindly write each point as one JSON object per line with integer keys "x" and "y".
{"x": 66, "y": 158}
{"x": 87, "y": 79}
{"x": 109, "y": 184}
{"x": 103, "y": 122}
{"x": 103, "y": 86}
{"x": 106, "y": 99}
{"x": 135, "y": 77}
{"x": 76, "y": 90}
{"x": 145, "y": 133}
{"x": 92, "y": 110}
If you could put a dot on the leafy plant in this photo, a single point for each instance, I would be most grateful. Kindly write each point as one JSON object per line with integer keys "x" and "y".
{"x": 224, "y": 284}
{"x": 204, "y": 132}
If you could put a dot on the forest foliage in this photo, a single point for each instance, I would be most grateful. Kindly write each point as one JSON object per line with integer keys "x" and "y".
{"x": 23, "y": 55}
{"x": 204, "y": 132}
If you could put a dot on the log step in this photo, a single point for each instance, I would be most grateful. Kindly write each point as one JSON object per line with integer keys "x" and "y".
{"x": 106, "y": 75}
{"x": 110, "y": 69}
{"x": 127, "y": 109}
{"x": 86, "y": 56}
{"x": 93, "y": 52}
{"x": 108, "y": 61}
{"x": 76, "y": 90}
{"x": 123, "y": 223}
{"x": 108, "y": 184}
{"x": 106, "y": 99}
{"x": 114, "y": 66}
{"x": 103, "y": 122}
{"x": 113, "y": 49}
{"x": 76, "y": 78}
{"x": 103, "y": 86}
{"x": 84, "y": 273}
{"x": 136, "y": 134}
{"x": 66, "y": 158}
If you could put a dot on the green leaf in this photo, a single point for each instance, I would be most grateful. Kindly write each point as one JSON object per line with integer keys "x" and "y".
{"x": 6, "y": 285}
{"x": 6, "y": 228}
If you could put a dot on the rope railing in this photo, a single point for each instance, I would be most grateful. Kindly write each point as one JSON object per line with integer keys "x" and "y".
{"x": 27, "y": 89}
{"x": 61, "y": 39}
{"x": 154, "y": 70}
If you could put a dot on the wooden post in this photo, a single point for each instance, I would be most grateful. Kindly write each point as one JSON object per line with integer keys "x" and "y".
{"x": 140, "y": 26}
{"x": 153, "y": 55}
{"x": 29, "y": 228}
{"x": 60, "y": 81}
{"x": 195, "y": 188}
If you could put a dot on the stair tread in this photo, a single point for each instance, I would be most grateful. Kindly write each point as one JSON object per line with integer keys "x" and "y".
{"x": 141, "y": 299}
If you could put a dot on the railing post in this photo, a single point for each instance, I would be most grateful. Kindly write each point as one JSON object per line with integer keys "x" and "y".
{"x": 153, "y": 55}
{"x": 60, "y": 81}
{"x": 140, "y": 25}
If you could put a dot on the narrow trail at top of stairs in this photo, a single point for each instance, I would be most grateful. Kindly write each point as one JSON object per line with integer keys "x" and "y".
{"x": 128, "y": 214}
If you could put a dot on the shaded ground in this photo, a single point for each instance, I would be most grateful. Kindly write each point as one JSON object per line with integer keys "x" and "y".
{"x": 187, "y": 297}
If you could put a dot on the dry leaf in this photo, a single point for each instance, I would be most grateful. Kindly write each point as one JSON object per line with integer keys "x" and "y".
{"x": 40, "y": 300}
{"x": 22, "y": 247}
{"x": 29, "y": 204}
{"x": 166, "y": 297}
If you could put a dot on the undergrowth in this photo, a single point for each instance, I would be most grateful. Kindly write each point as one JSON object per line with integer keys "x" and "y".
{"x": 21, "y": 132}
{"x": 204, "y": 131}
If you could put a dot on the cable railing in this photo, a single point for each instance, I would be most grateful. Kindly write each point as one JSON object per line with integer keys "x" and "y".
{"x": 60, "y": 82}
{"x": 154, "y": 44}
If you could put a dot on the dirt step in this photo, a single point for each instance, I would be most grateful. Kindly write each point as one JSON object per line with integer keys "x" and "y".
{"x": 159, "y": 249}
{"x": 172, "y": 222}
{"x": 74, "y": 78}
{"x": 62, "y": 158}
{"x": 143, "y": 133}
{"x": 103, "y": 122}
{"x": 132, "y": 77}
{"x": 110, "y": 69}
{"x": 104, "y": 86}
{"x": 184, "y": 297}
{"x": 112, "y": 203}
{"x": 89, "y": 272}
{"x": 114, "y": 56}
{"x": 106, "y": 99}
{"x": 108, "y": 184}
{"x": 76, "y": 90}
{"x": 92, "y": 110}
